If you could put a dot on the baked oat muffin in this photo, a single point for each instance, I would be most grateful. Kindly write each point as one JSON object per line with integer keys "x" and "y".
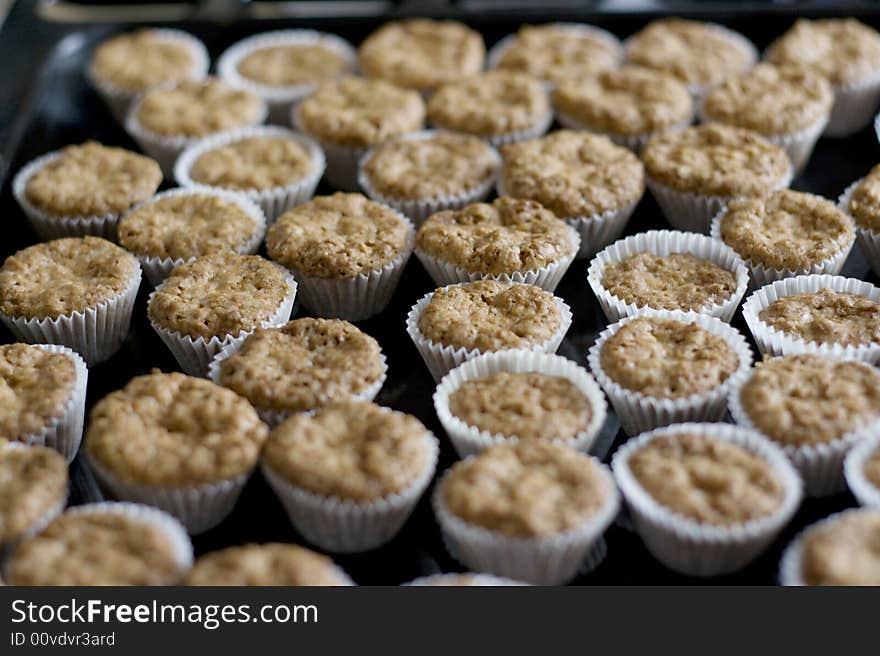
{"x": 457, "y": 580}
{"x": 841, "y": 550}
{"x": 259, "y": 162}
{"x": 33, "y": 489}
{"x": 864, "y": 202}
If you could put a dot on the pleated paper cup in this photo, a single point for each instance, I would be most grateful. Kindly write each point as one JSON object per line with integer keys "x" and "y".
{"x": 281, "y": 99}
{"x": 635, "y": 142}
{"x": 470, "y": 440}
{"x": 686, "y": 545}
{"x": 441, "y": 358}
{"x": 854, "y": 106}
{"x": 639, "y": 412}
{"x": 119, "y": 100}
{"x": 771, "y": 341}
{"x": 344, "y": 526}
{"x": 663, "y": 243}
{"x": 867, "y": 239}
{"x": 551, "y": 560}
{"x": 537, "y": 130}
{"x": 275, "y": 201}
{"x": 866, "y": 492}
{"x": 158, "y": 268}
{"x": 342, "y": 160}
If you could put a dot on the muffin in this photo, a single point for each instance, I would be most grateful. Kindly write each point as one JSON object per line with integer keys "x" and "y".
{"x": 422, "y": 54}
{"x": 217, "y": 300}
{"x": 76, "y": 292}
{"x": 350, "y": 115}
{"x": 667, "y": 367}
{"x": 629, "y": 104}
{"x": 42, "y": 396}
{"x": 861, "y": 200}
{"x": 861, "y": 469}
{"x": 467, "y": 579}
{"x": 785, "y": 233}
{"x": 426, "y": 172}
{"x": 167, "y": 119}
{"x": 847, "y": 53}
{"x": 180, "y": 225}
{"x": 104, "y": 544}
{"x": 350, "y": 474}
{"x": 176, "y": 442}
{"x": 530, "y": 510}
{"x": 274, "y": 167}
{"x": 346, "y": 252}
{"x": 788, "y": 105}
{"x": 694, "y": 172}
{"x": 511, "y": 395}
{"x": 509, "y": 240}
{"x": 458, "y": 322}
{"x": 301, "y": 366}
{"x": 706, "y": 499}
{"x": 285, "y": 66}
{"x": 815, "y": 408}
{"x": 265, "y": 564}
{"x": 585, "y": 179}
{"x": 128, "y": 64}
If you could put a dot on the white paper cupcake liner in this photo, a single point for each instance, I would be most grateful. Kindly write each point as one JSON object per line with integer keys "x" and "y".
{"x": 688, "y": 546}
{"x": 476, "y": 579}
{"x": 95, "y": 333}
{"x": 341, "y": 171}
{"x": 420, "y": 209}
{"x": 537, "y": 130}
{"x": 635, "y": 142}
{"x": 663, "y": 243}
{"x": 865, "y": 491}
{"x": 771, "y": 341}
{"x": 441, "y": 358}
{"x": 868, "y": 240}
{"x": 275, "y": 201}
{"x": 638, "y": 412}
{"x": 344, "y": 526}
{"x": 551, "y": 560}
{"x": 194, "y": 355}
{"x": 469, "y": 440}
{"x": 119, "y": 100}
{"x": 854, "y": 106}
{"x": 158, "y": 268}
{"x": 281, "y": 99}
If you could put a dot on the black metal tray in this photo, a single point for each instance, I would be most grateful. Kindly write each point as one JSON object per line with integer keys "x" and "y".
{"x": 60, "y": 109}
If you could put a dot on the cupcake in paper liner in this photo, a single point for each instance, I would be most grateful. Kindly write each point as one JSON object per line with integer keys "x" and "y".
{"x": 664, "y": 367}
{"x": 490, "y": 526}
{"x": 689, "y": 194}
{"x": 426, "y": 172}
{"x": 361, "y": 505}
{"x": 83, "y": 189}
{"x": 860, "y": 201}
{"x": 194, "y": 470}
{"x": 274, "y": 167}
{"x": 216, "y": 300}
{"x": 167, "y": 119}
{"x": 129, "y": 64}
{"x": 178, "y": 225}
{"x": 861, "y": 469}
{"x": 510, "y": 395}
{"x": 785, "y": 234}
{"x": 453, "y": 579}
{"x": 459, "y": 322}
{"x": 668, "y": 270}
{"x": 301, "y": 366}
{"x": 702, "y": 532}
{"x": 585, "y": 179}
{"x": 508, "y": 240}
{"x": 285, "y": 66}
{"x": 76, "y": 292}
{"x": 838, "y": 550}
{"x": 346, "y": 252}
{"x": 104, "y": 544}
{"x": 827, "y": 315}
{"x": 349, "y": 116}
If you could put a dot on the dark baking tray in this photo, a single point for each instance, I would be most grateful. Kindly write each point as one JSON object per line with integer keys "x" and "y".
{"x": 59, "y": 108}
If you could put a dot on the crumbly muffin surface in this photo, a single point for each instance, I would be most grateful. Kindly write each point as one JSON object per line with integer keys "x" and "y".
{"x": 218, "y": 295}
{"x": 667, "y": 359}
{"x": 140, "y": 60}
{"x": 708, "y": 480}
{"x": 303, "y": 365}
{"x": 63, "y": 276}
{"x": 292, "y": 64}
{"x": 573, "y": 173}
{"x": 800, "y": 400}
{"x": 864, "y": 203}
{"x": 350, "y": 449}
{"x": 264, "y": 564}
{"x": 504, "y": 236}
{"x": 174, "y": 430}
{"x": 845, "y": 551}
{"x": 338, "y": 236}
{"x": 258, "y": 162}
{"x": 33, "y": 481}
{"x": 93, "y": 180}
{"x": 489, "y": 316}
{"x": 528, "y": 488}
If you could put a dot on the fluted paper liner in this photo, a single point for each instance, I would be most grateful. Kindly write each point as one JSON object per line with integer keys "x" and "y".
{"x": 635, "y": 142}
{"x": 854, "y": 106}
{"x": 866, "y": 492}
{"x": 867, "y": 239}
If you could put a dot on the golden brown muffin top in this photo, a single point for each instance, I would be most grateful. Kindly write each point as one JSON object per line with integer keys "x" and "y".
{"x": 141, "y": 59}
{"x": 33, "y": 482}
{"x": 257, "y": 162}
{"x": 291, "y": 64}
{"x": 264, "y": 564}
{"x": 844, "y": 551}
{"x": 864, "y": 203}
